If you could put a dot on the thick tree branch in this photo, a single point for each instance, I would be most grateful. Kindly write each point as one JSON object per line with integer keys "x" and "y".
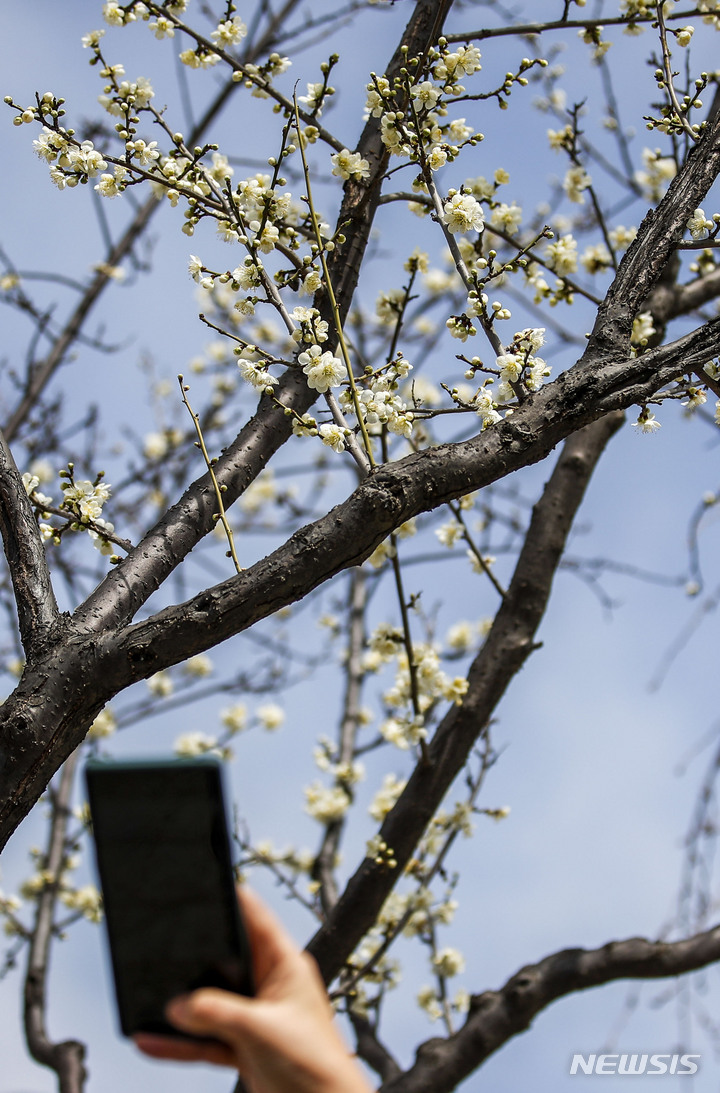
{"x": 371, "y": 1050}
{"x": 508, "y": 644}
{"x": 655, "y": 243}
{"x": 670, "y": 301}
{"x": 128, "y": 586}
{"x": 52, "y": 707}
{"x": 496, "y": 1016}
{"x": 36, "y": 605}
{"x": 402, "y": 489}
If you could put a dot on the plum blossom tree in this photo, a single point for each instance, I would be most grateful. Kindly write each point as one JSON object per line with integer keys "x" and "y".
{"x": 341, "y": 424}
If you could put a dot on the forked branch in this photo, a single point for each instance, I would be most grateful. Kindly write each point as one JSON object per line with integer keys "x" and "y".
{"x": 496, "y": 1016}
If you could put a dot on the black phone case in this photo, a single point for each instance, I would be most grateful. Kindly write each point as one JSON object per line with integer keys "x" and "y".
{"x": 171, "y": 911}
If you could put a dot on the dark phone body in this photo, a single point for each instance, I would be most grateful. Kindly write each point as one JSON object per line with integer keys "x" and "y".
{"x": 171, "y": 910}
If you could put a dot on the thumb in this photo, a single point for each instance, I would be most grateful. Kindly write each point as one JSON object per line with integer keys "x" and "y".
{"x": 211, "y": 1012}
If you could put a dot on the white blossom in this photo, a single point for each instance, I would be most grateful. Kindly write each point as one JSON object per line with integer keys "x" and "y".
{"x": 326, "y": 804}
{"x": 104, "y": 724}
{"x": 87, "y": 900}
{"x": 699, "y": 226}
{"x": 426, "y": 94}
{"x": 323, "y": 370}
{"x": 562, "y": 255}
{"x": 255, "y": 375}
{"x": 333, "y": 436}
{"x": 464, "y": 61}
{"x": 194, "y": 743}
{"x": 270, "y": 716}
{"x": 642, "y": 328}
{"x": 506, "y": 217}
{"x": 386, "y": 796}
{"x": 348, "y": 164}
{"x": 646, "y": 422}
{"x": 659, "y": 171}
{"x": 448, "y": 962}
{"x": 576, "y": 181}
{"x": 448, "y": 534}
{"x": 229, "y": 33}
{"x": 99, "y": 535}
{"x": 462, "y": 213}
{"x": 86, "y": 498}
{"x": 198, "y": 666}
{"x": 160, "y": 685}
{"x": 234, "y": 718}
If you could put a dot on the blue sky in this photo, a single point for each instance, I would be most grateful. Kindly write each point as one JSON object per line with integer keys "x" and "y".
{"x": 592, "y": 849}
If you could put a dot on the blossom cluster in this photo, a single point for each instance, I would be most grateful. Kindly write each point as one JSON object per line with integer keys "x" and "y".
{"x": 379, "y": 403}
{"x": 422, "y": 133}
{"x": 82, "y": 505}
{"x": 328, "y": 804}
{"x": 413, "y": 694}
{"x": 84, "y": 901}
{"x": 234, "y": 719}
{"x": 518, "y": 370}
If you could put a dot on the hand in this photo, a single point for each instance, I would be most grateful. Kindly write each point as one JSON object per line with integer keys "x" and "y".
{"x": 282, "y": 1041}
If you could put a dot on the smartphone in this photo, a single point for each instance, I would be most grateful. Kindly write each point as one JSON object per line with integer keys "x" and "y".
{"x": 171, "y": 910}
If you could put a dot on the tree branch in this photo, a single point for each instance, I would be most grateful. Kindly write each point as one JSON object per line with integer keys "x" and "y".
{"x": 506, "y": 648}
{"x": 420, "y": 482}
{"x": 37, "y": 608}
{"x": 496, "y": 1016}
{"x": 669, "y": 301}
{"x": 49, "y": 712}
{"x": 655, "y": 243}
{"x": 65, "y": 1058}
{"x": 128, "y": 586}
{"x": 325, "y": 860}
{"x": 41, "y": 374}
{"x": 371, "y": 1050}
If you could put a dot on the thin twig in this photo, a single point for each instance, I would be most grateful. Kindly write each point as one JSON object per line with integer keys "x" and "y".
{"x": 66, "y": 1058}
{"x": 210, "y": 464}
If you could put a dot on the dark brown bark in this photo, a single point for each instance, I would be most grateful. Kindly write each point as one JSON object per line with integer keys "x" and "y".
{"x": 62, "y": 691}
{"x": 38, "y": 613}
{"x": 127, "y": 587}
{"x": 65, "y": 1057}
{"x": 496, "y": 1016}
{"x": 509, "y": 643}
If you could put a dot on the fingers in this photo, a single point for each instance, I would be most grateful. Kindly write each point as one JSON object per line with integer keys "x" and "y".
{"x": 185, "y": 1051}
{"x": 210, "y": 1012}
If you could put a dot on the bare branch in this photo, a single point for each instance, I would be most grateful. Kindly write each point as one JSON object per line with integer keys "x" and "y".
{"x": 496, "y": 1016}
{"x": 509, "y": 643}
{"x": 656, "y": 241}
{"x": 369, "y": 1048}
{"x": 325, "y": 860}
{"x": 43, "y": 371}
{"x": 543, "y": 27}
{"x": 126, "y": 588}
{"x": 37, "y": 608}
{"x": 65, "y": 1058}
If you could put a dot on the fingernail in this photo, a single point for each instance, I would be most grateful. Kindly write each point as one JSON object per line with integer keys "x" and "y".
{"x": 176, "y": 1009}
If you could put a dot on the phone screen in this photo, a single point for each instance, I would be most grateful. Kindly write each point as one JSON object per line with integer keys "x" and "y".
{"x": 165, "y": 870}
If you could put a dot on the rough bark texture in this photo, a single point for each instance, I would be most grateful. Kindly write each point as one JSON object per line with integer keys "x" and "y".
{"x": 76, "y": 664}
{"x": 63, "y": 690}
{"x": 496, "y": 1016}
{"x": 506, "y": 648}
